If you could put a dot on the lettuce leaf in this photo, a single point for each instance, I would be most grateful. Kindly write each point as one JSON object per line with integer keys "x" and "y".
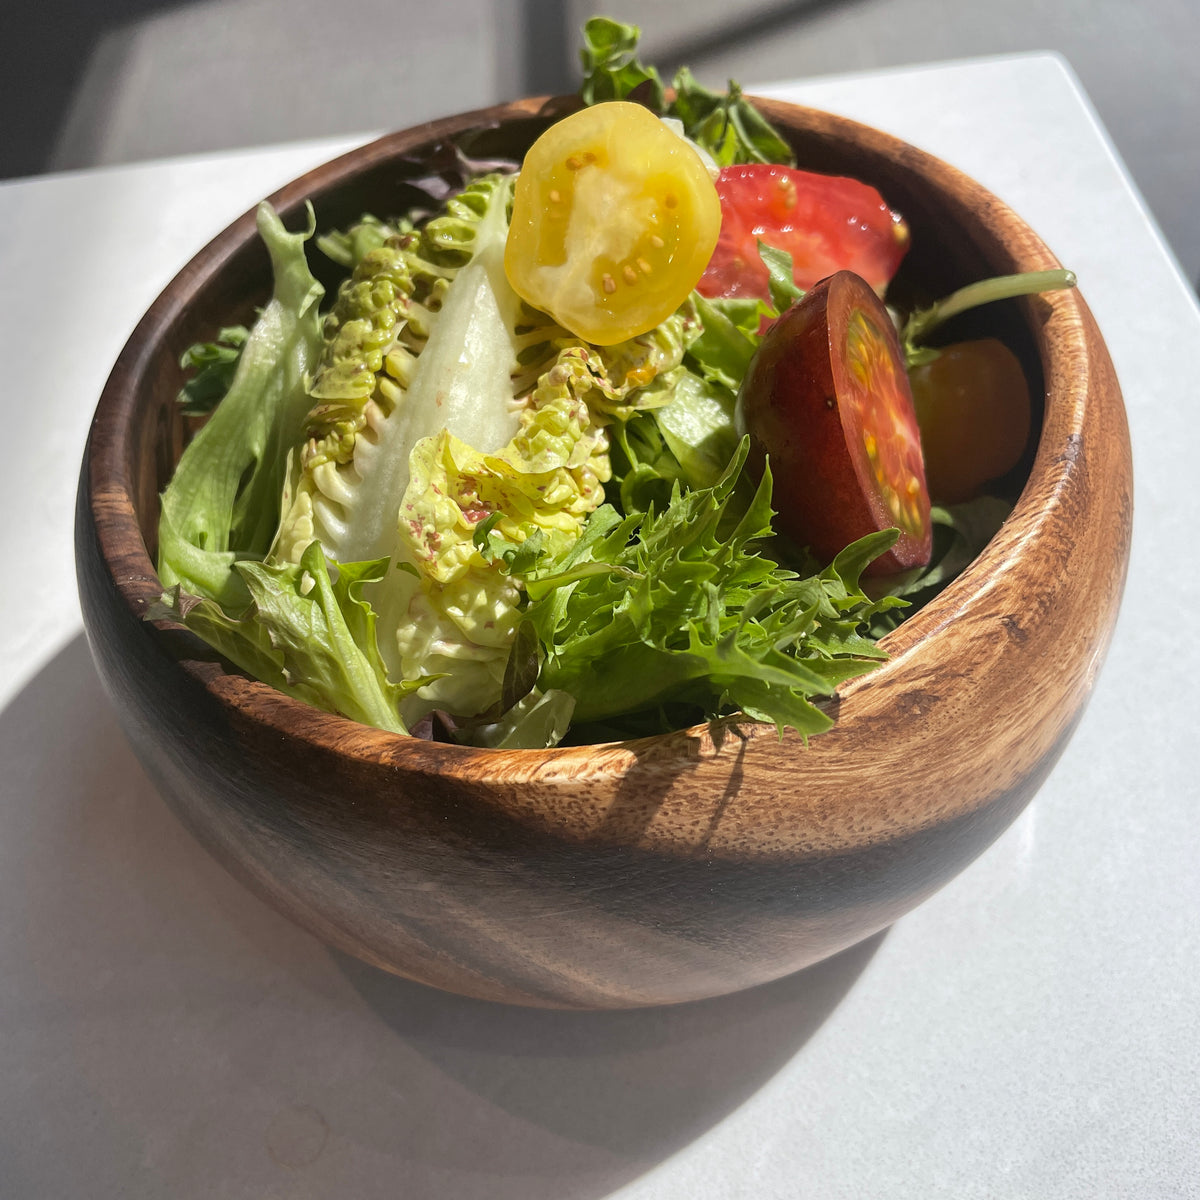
{"x": 723, "y": 351}
{"x": 687, "y": 432}
{"x": 697, "y": 426}
{"x": 222, "y": 503}
{"x": 307, "y": 632}
{"x": 732, "y": 328}
{"x": 535, "y": 722}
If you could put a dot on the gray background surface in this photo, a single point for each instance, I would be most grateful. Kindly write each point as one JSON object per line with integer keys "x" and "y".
{"x": 87, "y": 82}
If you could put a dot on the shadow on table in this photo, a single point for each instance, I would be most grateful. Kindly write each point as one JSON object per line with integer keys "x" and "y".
{"x": 171, "y": 1028}
{"x": 641, "y": 1083}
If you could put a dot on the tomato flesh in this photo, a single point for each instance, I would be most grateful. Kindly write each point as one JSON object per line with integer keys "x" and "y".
{"x": 827, "y": 401}
{"x": 827, "y": 223}
{"x": 614, "y": 219}
{"x": 974, "y": 411}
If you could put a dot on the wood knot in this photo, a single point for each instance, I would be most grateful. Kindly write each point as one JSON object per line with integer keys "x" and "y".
{"x": 1013, "y": 628}
{"x": 916, "y": 704}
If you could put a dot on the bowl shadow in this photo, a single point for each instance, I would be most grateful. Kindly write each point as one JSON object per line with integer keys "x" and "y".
{"x": 639, "y": 1083}
{"x": 145, "y": 972}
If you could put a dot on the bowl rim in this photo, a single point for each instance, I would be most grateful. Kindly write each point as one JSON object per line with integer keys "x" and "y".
{"x": 110, "y": 486}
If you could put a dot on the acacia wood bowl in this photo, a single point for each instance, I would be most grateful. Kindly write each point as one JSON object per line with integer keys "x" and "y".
{"x": 670, "y": 868}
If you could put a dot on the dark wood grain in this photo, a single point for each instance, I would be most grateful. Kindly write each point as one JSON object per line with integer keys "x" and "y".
{"x": 671, "y": 868}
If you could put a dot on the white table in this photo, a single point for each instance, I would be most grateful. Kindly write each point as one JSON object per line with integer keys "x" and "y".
{"x": 1032, "y": 1031}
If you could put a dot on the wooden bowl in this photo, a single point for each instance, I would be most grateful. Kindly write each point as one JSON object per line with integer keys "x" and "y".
{"x": 671, "y": 868}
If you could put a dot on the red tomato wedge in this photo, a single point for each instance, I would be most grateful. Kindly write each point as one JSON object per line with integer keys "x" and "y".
{"x": 825, "y": 222}
{"x": 827, "y": 401}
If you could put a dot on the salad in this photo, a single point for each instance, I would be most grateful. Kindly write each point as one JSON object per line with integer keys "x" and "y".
{"x": 598, "y": 444}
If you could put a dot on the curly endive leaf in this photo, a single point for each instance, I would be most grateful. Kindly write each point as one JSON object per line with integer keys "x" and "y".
{"x": 679, "y": 613}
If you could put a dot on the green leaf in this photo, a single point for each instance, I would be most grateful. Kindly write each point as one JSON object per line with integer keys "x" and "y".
{"x": 760, "y": 139}
{"x": 724, "y": 348}
{"x": 611, "y": 70}
{"x": 307, "y": 633}
{"x": 214, "y": 364}
{"x": 697, "y": 426}
{"x": 780, "y": 276}
{"x": 922, "y": 322}
{"x": 536, "y": 722}
{"x": 222, "y": 503}
{"x": 726, "y": 124}
{"x": 850, "y": 563}
{"x": 348, "y": 247}
{"x": 521, "y": 670}
{"x": 682, "y": 607}
{"x": 960, "y": 532}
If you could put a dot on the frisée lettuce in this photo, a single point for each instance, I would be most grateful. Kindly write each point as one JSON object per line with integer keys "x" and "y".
{"x": 684, "y": 611}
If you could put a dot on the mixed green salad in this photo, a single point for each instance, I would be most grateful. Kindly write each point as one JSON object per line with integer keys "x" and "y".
{"x": 515, "y": 481}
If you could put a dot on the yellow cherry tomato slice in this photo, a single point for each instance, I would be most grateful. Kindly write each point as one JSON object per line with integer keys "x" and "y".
{"x": 614, "y": 220}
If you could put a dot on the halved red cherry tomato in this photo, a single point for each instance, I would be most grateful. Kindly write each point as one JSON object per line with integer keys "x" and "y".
{"x": 614, "y": 218}
{"x": 973, "y": 409}
{"x": 827, "y": 401}
{"x": 827, "y": 223}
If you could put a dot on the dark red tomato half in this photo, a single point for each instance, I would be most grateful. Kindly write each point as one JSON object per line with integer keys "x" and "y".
{"x": 827, "y": 401}
{"x": 827, "y": 223}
